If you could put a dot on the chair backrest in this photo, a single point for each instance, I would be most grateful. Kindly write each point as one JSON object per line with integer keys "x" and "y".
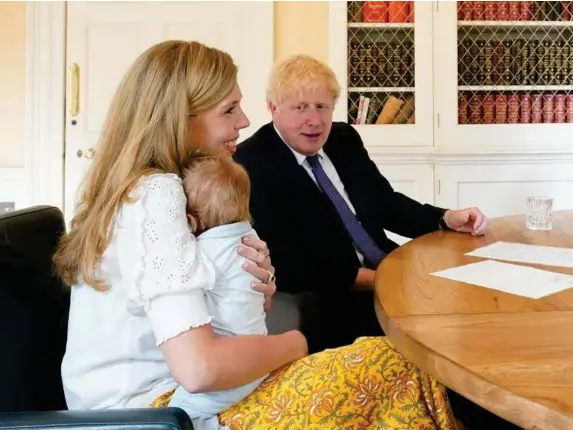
{"x": 34, "y": 307}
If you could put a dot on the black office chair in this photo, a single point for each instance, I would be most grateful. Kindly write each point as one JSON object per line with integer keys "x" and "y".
{"x": 34, "y": 307}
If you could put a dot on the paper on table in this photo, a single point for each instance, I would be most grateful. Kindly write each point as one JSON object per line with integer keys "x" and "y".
{"x": 509, "y": 278}
{"x": 532, "y": 254}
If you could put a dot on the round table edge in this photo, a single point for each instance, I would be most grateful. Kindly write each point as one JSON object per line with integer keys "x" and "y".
{"x": 535, "y": 415}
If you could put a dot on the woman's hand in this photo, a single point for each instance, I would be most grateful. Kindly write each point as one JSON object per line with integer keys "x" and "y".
{"x": 257, "y": 252}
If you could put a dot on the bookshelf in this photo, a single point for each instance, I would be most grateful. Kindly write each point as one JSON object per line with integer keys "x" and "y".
{"x": 385, "y": 69}
{"x": 512, "y": 79}
{"x": 518, "y": 73}
{"x": 483, "y": 131}
{"x": 381, "y": 59}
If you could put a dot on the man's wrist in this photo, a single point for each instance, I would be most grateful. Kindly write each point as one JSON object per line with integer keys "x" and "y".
{"x": 442, "y": 224}
{"x": 365, "y": 279}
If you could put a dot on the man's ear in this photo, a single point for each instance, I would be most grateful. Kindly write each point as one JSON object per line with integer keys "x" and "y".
{"x": 271, "y": 107}
{"x": 193, "y": 224}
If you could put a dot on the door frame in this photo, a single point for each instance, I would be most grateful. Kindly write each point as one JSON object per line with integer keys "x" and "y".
{"x": 45, "y": 103}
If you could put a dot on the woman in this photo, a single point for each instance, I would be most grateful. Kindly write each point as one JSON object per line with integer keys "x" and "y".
{"x": 139, "y": 329}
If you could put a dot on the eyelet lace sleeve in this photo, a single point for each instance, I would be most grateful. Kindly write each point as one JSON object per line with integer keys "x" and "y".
{"x": 172, "y": 273}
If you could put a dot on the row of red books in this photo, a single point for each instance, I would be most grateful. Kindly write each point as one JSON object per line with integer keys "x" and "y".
{"x": 388, "y": 11}
{"x": 515, "y": 109}
{"x": 515, "y": 10}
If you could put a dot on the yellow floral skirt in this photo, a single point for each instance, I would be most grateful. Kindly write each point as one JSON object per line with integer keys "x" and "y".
{"x": 368, "y": 384}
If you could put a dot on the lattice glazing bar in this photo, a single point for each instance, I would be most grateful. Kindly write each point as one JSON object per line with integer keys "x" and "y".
{"x": 381, "y": 62}
{"x": 515, "y": 62}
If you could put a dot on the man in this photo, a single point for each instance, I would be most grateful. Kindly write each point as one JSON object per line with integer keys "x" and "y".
{"x": 322, "y": 205}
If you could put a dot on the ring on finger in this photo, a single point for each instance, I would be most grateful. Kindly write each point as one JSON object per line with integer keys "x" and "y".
{"x": 271, "y": 277}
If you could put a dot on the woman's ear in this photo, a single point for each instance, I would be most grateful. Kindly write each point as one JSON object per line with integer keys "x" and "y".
{"x": 193, "y": 223}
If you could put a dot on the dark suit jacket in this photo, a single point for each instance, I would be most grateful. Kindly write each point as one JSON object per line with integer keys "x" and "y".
{"x": 309, "y": 245}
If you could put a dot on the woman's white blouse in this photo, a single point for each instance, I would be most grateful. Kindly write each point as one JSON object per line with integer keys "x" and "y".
{"x": 156, "y": 277}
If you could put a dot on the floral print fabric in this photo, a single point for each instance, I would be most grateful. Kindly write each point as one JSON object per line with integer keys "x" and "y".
{"x": 366, "y": 385}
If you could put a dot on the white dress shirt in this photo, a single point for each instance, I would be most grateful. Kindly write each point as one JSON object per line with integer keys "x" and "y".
{"x": 161, "y": 282}
{"x": 332, "y": 174}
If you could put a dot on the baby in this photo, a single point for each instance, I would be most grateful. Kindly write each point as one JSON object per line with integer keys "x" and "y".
{"x": 218, "y": 192}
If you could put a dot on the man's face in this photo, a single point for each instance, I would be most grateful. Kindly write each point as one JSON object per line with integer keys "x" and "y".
{"x": 304, "y": 119}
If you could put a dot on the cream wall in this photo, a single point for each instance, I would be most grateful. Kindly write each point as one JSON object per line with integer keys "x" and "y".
{"x": 12, "y": 82}
{"x": 300, "y": 27}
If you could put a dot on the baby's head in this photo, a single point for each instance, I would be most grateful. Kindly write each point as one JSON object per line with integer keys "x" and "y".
{"x": 218, "y": 191}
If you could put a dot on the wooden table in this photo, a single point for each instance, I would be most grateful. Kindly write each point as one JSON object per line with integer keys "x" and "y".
{"x": 510, "y": 354}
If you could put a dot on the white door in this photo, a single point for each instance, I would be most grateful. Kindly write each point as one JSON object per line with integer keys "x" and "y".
{"x": 104, "y": 38}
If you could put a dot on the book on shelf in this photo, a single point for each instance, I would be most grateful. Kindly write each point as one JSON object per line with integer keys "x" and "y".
{"x": 393, "y": 12}
{"x": 394, "y": 110}
{"x": 515, "y": 108}
{"x": 515, "y": 62}
{"x": 405, "y": 112}
{"x": 381, "y": 64}
{"x": 515, "y": 10}
{"x": 363, "y": 103}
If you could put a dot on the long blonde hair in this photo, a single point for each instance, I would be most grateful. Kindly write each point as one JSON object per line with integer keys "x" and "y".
{"x": 146, "y": 131}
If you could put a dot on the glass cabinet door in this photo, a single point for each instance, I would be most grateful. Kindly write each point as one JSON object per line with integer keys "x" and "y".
{"x": 504, "y": 73}
{"x": 381, "y": 52}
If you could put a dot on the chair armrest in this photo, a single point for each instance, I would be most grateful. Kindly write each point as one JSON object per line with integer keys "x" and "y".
{"x": 109, "y": 419}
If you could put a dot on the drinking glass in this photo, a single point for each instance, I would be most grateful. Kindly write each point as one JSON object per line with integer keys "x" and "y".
{"x": 539, "y": 210}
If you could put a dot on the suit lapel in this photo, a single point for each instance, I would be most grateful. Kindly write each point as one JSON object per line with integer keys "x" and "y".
{"x": 298, "y": 177}
{"x": 300, "y": 182}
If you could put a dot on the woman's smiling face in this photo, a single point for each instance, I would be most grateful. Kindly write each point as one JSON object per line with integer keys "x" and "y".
{"x": 218, "y": 128}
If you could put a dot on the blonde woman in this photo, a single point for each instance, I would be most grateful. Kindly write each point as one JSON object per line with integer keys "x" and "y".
{"x": 139, "y": 328}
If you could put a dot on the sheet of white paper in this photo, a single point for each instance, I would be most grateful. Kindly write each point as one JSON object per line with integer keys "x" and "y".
{"x": 509, "y": 278}
{"x": 532, "y": 254}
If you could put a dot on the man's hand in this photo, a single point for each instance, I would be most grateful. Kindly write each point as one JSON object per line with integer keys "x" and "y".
{"x": 364, "y": 280}
{"x": 470, "y": 220}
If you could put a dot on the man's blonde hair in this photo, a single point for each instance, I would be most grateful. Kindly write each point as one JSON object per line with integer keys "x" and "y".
{"x": 218, "y": 190}
{"x": 300, "y": 72}
{"x": 146, "y": 131}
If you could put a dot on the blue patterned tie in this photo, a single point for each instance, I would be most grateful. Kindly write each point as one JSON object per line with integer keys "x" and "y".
{"x": 359, "y": 235}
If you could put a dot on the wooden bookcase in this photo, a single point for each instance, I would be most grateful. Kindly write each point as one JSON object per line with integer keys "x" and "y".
{"x": 505, "y": 72}
{"x": 455, "y": 73}
{"x": 488, "y": 92}
{"x": 384, "y": 63}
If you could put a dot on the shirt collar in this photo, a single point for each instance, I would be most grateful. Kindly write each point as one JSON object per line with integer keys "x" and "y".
{"x": 226, "y": 230}
{"x": 299, "y": 157}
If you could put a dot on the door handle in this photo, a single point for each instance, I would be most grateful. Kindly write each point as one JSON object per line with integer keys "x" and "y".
{"x": 88, "y": 155}
{"x": 75, "y": 90}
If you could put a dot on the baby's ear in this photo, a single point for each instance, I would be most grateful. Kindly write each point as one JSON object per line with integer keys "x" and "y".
{"x": 192, "y": 223}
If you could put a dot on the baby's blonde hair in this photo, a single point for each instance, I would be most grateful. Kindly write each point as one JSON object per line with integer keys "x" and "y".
{"x": 300, "y": 72}
{"x": 218, "y": 190}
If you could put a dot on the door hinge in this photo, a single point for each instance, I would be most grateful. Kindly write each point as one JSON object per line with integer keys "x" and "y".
{"x": 438, "y": 6}
{"x": 439, "y": 186}
{"x": 438, "y": 120}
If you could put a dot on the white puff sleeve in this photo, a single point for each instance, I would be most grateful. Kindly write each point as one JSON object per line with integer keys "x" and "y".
{"x": 172, "y": 275}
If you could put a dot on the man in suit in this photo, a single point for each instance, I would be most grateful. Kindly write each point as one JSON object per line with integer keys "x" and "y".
{"x": 322, "y": 205}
